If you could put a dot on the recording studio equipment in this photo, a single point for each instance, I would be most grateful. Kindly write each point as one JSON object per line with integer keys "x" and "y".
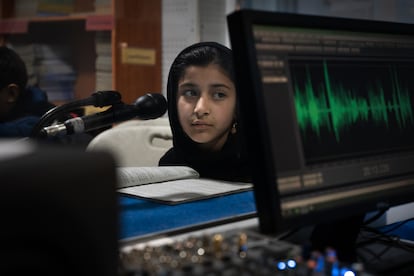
{"x": 216, "y": 254}
{"x": 329, "y": 112}
{"x": 149, "y": 106}
{"x": 97, "y": 99}
{"x": 231, "y": 252}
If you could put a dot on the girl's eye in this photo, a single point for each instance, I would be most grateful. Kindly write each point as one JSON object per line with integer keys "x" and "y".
{"x": 219, "y": 95}
{"x": 189, "y": 93}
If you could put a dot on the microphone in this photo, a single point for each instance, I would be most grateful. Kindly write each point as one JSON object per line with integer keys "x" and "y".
{"x": 149, "y": 106}
{"x": 103, "y": 98}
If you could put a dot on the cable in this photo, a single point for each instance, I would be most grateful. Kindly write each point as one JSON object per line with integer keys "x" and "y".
{"x": 385, "y": 238}
{"x": 376, "y": 216}
{"x": 97, "y": 99}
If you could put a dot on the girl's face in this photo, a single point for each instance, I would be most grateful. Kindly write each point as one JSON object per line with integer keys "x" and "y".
{"x": 206, "y": 103}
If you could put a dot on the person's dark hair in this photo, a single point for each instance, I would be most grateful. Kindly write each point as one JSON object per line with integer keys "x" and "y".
{"x": 31, "y": 102}
{"x": 12, "y": 68}
{"x": 203, "y": 54}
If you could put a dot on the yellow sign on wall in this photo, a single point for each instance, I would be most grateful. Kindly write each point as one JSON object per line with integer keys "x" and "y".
{"x": 141, "y": 56}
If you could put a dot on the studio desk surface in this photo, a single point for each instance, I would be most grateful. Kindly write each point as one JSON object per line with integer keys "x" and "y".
{"x": 140, "y": 217}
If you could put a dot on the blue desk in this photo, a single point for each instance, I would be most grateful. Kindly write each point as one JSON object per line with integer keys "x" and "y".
{"x": 403, "y": 230}
{"x": 141, "y": 217}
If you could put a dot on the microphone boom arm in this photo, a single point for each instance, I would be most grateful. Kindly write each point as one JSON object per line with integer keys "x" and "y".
{"x": 149, "y": 106}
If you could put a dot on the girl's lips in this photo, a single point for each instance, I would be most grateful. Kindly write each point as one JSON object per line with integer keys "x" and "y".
{"x": 196, "y": 123}
{"x": 200, "y": 125}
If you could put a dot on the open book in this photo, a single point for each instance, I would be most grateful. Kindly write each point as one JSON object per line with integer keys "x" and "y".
{"x": 173, "y": 184}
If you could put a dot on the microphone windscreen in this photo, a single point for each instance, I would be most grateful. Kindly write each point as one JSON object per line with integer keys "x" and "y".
{"x": 151, "y": 106}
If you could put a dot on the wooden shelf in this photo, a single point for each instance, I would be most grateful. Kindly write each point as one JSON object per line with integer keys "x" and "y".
{"x": 134, "y": 26}
{"x": 94, "y": 22}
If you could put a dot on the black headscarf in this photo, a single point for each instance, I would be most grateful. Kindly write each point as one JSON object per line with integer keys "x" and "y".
{"x": 230, "y": 163}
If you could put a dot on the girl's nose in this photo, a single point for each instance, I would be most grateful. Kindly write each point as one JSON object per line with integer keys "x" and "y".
{"x": 202, "y": 107}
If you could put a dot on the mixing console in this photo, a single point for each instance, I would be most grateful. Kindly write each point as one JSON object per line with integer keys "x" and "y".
{"x": 229, "y": 253}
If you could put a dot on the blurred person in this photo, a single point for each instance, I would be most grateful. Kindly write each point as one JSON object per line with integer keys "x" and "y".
{"x": 21, "y": 106}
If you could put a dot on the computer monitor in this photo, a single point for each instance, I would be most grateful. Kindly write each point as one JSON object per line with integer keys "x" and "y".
{"x": 328, "y": 108}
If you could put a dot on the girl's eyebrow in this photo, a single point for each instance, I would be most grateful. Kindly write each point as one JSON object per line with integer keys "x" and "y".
{"x": 218, "y": 85}
{"x": 214, "y": 85}
{"x": 187, "y": 84}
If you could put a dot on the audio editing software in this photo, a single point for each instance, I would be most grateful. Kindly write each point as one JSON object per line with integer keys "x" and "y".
{"x": 334, "y": 111}
{"x": 348, "y": 88}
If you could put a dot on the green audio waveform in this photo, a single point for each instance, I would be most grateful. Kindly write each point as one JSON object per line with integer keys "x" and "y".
{"x": 337, "y": 108}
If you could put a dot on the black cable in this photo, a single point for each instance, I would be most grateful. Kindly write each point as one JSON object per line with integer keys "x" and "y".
{"x": 98, "y": 99}
{"x": 384, "y": 237}
{"x": 289, "y": 233}
{"x": 376, "y": 216}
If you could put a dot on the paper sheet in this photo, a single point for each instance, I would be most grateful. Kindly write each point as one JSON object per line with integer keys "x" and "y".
{"x": 185, "y": 190}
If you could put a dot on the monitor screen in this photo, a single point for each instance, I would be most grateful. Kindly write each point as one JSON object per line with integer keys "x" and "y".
{"x": 328, "y": 108}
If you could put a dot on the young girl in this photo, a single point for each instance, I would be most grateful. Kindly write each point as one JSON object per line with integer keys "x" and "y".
{"x": 203, "y": 114}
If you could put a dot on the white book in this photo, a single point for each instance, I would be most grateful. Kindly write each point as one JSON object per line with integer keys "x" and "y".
{"x": 173, "y": 184}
